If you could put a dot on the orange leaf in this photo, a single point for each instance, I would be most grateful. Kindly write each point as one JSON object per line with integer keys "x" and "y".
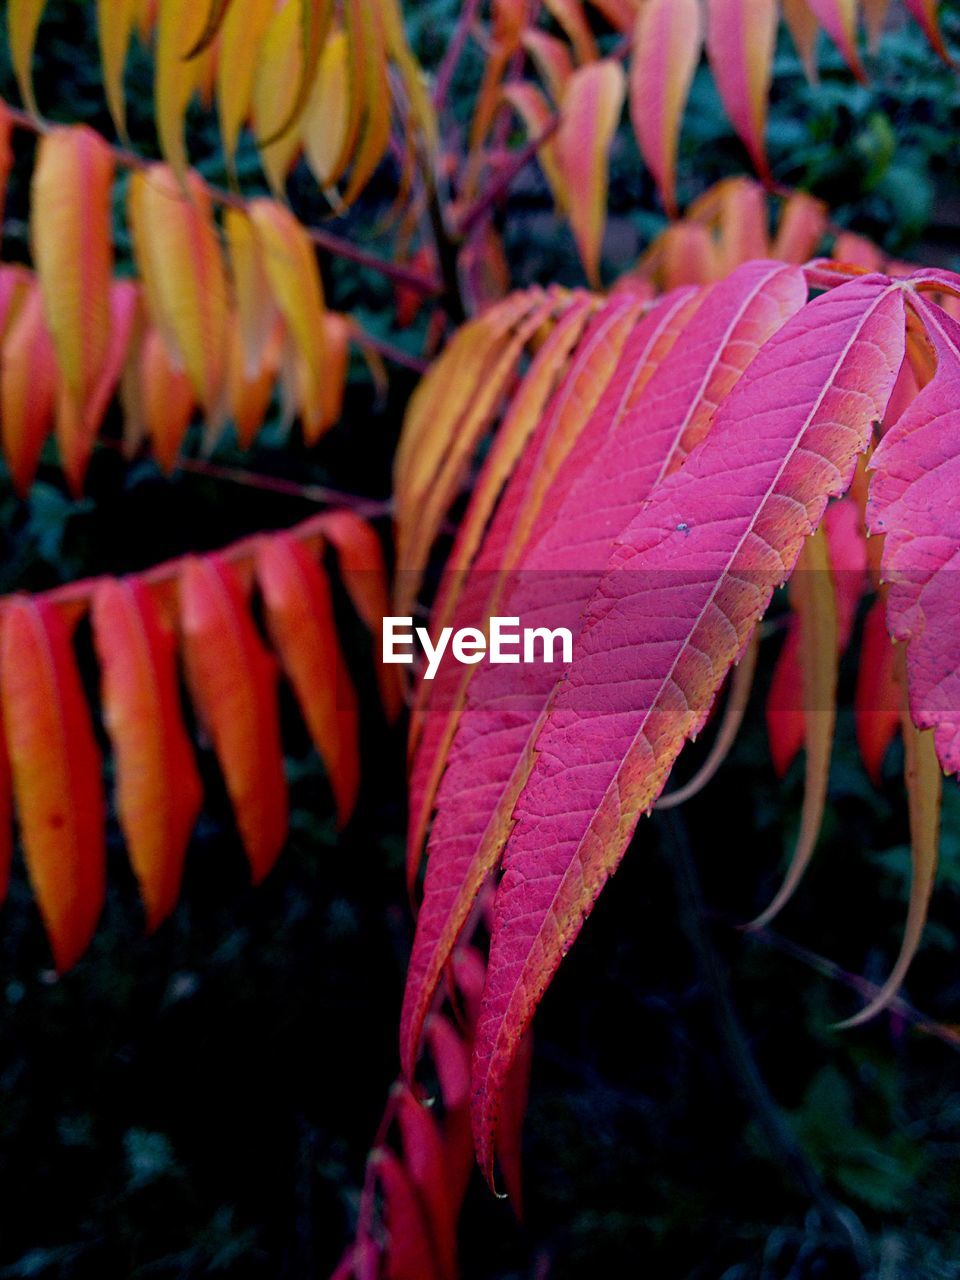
{"x": 249, "y": 394}
{"x": 166, "y": 400}
{"x": 70, "y": 234}
{"x": 304, "y": 633}
{"x": 364, "y": 574}
{"x": 589, "y": 116}
{"x": 233, "y": 684}
{"x": 28, "y": 388}
{"x": 76, "y": 427}
{"x": 56, "y": 774}
{"x": 804, "y": 31}
{"x": 158, "y": 786}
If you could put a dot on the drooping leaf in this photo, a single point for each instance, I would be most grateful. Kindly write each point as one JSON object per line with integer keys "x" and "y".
{"x": 654, "y": 410}
{"x": 573, "y": 21}
{"x": 178, "y": 252}
{"x": 877, "y": 700}
{"x": 55, "y": 766}
{"x": 304, "y": 634}
{"x": 924, "y": 783}
{"x": 290, "y": 262}
{"x": 158, "y": 787}
{"x": 116, "y": 20}
{"x": 70, "y": 236}
{"x": 804, "y": 31}
{"x": 839, "y": 19}
{"x": 28, "y": 389}
{"x": 369, "y": 76}
{"x": 425, "y": 1161}
{"x": 325, "y": 122}
{"x": 410, "y": 1250}
{"x": 741, "y": 36}
{"x": 364, "y": 574}
{"x": 166, "y": 399}
{"x": 276, "y": 90}
{"x": 875, "y": 18}
{"x": 813, "y": 596}
{"x": 23, "y": 19}
{"x": 241, "y": 37}
{"x": 589, "y": 114}
{"x": 676, "y": 606}
{"x": 232, "y": 681}
{"x": 256, "y": 310}
{"x": 926, "y": 13}
{"x": 76, "y": 424}
{"x": 912, "y": 503}
{"x": 666, "y": 51}
{"x": 180, "y": 24}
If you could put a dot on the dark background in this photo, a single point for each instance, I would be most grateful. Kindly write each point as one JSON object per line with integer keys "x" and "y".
{"x": 200, "y": 1103}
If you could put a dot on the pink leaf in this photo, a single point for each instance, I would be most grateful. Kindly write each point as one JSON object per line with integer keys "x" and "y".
{"x": 682, "y": 593}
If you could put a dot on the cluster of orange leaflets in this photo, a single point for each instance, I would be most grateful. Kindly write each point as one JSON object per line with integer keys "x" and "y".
{"x": 198, "y": 609}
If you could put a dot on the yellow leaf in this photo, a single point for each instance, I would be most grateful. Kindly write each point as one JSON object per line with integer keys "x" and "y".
{"x": 276, "y": 87}
{"x": 924, "y": 781}
{"x": 179, "y": 26}
{"x": 325, "y": 122}
{"x": 239, "y": 49}
{"x": 813, "y": 596}
{"x": 23, "y": 19}
{"x": 178, "y": 252}
{"x": 115, "y": 22}
{"x": 291, "y": 266}
{"x": 257, "y": 311}
{"x": 371, "y": 86}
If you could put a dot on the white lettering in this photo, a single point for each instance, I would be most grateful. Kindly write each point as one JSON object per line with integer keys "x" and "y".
{"x": 547, "y": 638}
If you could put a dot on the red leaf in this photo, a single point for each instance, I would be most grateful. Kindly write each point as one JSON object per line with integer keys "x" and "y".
{"x": 741, "y": 35}
{"x": 877, "y": 699}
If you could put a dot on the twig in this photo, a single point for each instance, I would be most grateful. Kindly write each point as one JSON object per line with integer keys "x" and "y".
{"x": 830, "y": 969}
{"x": 429, "y": 286}
{"x": 451, "y": 58}
{"x": 369, "y": 508}
{"x": 743, "y": 1066}
{"x": 498, "y": 188}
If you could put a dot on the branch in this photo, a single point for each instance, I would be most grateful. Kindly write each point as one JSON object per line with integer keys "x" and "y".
{"x": 427, "y": 285}
{"x": 743, "y": 1065}
{"x": 518, "y": 161}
